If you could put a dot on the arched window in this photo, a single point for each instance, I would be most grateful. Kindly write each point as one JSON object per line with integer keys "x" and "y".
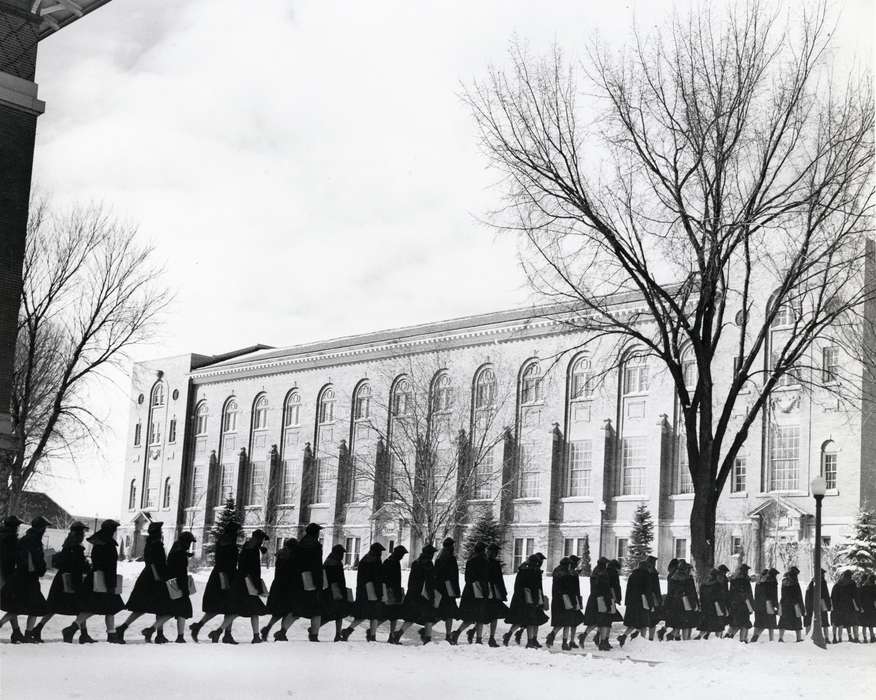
{"x": 582, "y": 380}
{"x": 485, "y": 389}
{"x": 401, "y": 397}
{"x": 158, "y": 394}
{"x": 154, "y": 432}
{"x": 636, "y": 376}
{"x": 362, "y": 402}
{"x": 166, "y": 498}
{"x": 442, "y": 393}
{"x": 326, "y": 410}
{"x": 201, "y": 419}
{"x": 829, "y": 463}
{"x": 260, "y": 413}
{"x": 229, "y": 417}
{"x": 132, "y": 495}
{"x": 531, "y": 384}
{"x": 292, "y": 412}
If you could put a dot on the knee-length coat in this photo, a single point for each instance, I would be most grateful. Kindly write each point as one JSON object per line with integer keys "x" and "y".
{"x": 657, "y": 605}
{"x": 563, "y": 594}
{"x": 825, "y": 607}
{"x": 680, "y": 588}
{"x": 766, "y": 598}
{"x": 616, "y": 593}
{"x": 791, "y": 605}
{"x": 447, "y": 584}
{"x": 526, "y": 609}
{"x": 419, "y": 605}
{"x": 104, "y": 559}
{"x": 713, "y": 599}
{"x": 843, "y": 598}
{"x": 335, "y": 605}
{"x": 149, "y": 594}
{"x": 308, "y": 564}
{"x": 477, "y": 581}
{"x": 867, "y": 598}
{"x": 740, "y": 599}
{"x": 177, "y": 569}
{"x": 24, "y": 595}
{"x": 249, "y": 568}
{"x": 392, "y": 605}
{"x": 496, "y": 607}
{"x": 600, "y": 590}
{"x": 636, "y": 614}
{"x": 8, "y": 549}
{"x": 218, "y": 592}
{"x": 368, "y": 572}
{"x": 281, "y": 595}
{"x": 72, "y": 566}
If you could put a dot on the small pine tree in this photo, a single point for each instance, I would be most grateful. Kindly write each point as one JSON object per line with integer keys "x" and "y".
{"x": 228, "y": 514}
{"x": 586, "y": 568}
{"x": 859, "y": 551}
{"x": 640, "y": 538}
{"x": 486, "y": 529}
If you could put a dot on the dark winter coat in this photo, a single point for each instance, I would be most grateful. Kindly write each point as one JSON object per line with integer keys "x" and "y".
{"x": 335, "y": 605}
{"x": 8, "y": 549}
{"x": 308, "y": 563}
{"x": 680, "y": 588}
{"x": 766, "y": 597}
{"x": 150, "y": 592}
{"x": 657, "y": 606}
{"x": 419, "y": 605}
{"x": 565, "y": 606}
{"x": 825, "y": 608}
{"x": 104, "y": 559}
{"x": 178, "y": 570}
{"x": 72, "y": 565}
{"x": 598, "y": 610}
{"x": 843, "y": 598}
{"x": 639, "y": 603}
{"x": 477, "y": 581}
{"x": 496, "y": 607}
{"x": 741, "y": 598}
{"x": 713, "y": 600}
{"x": 23, "y": 593}
{"x": 369, "y": 571}
{"x": 616, "y": 593}
{"x": 867, "y": 599}
{"x": 281, "y": 595}
{"x": 249, "y": 568}
{"x": 392, "y": 605}
{"x": 217, "y": 593}
{"x": 521, "y": 612}
{"x": 447, "y": 584}
{"x": 791, "y": 605}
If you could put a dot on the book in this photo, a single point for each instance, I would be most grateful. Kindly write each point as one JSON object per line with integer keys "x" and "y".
{"x": 389, "y": 596}
{"x": 685, "y": 601}
{"x": 155, "y": 575}
{"x": 100, "y": 583}
{"x": 497, "y": 592}
{"x": 371, "y": 591}
{"x": 425, "y": 592}
{"x": 527, "y": 596}
{"x": 224, "y": 581}
{"x": 601, "y": 605}
{"x": 325, "y": 583}
{"x": 451, "y": 590}
{"x": 646, "y": 604}
{"x": 719, "y": 611}
{"x": 350, "y": 597}
{"x": 477, "y": 590}
{"x": 307, "y": 581}
{"x": 770, "y": 608}
{"x": 798, "y": 610}
{"x": 67, "y": 582}
{"x": 30, "y": 567}
{"x": 824, "y": 607}
{"x": 255, "y": 588}
{"x": 336, "y": 592}
{"x": 545, "y": 603}
{"x": 437, "y": 601}
{"x": 567, "y": 602}
{"x": 174, "y": 590}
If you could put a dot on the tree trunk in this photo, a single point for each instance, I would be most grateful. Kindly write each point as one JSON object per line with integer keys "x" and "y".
{"x": 702, "y": 530}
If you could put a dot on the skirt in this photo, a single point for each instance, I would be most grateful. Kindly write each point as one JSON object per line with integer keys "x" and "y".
{"x": 148, "y": 595}
{"x": 307, "y": 603}
{"x": 62, "y": 603}
{"x": 216, "y": 600}
{"x": 22, "y": 596}
{"x": 764, "y": 621}
{"x": 526, "y": 615}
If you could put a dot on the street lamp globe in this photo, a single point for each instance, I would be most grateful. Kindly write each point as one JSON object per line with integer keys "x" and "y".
{"x": 818, "y": 486}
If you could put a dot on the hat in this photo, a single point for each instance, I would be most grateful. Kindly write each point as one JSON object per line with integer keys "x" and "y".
{"x": 313, "y": 529}
{"x": 540, "y": 556}
{"x": 614, "y": 564}
{"x": 260, "y": 534}
{"x": 745, "y": 566}
{"x": 672, "y": 564}
{"x": 337, "y": 549}
{"x": 377, "y": 547}
{"x": 428, "y": 550}
{"x": 109, "y": 524}
{"x": 564, "y": 561}
{"x": 155, "y": 526}
{"x": 76, "y": 525}
{"x": 40, "y": 523}
{"x": 772, "y": 572}
{"x": 533, "y": 559}
{"x": 602, "y": 560}
{"x": 480, "y": 547}
{"x": 574, "y": 558}
{"x": 723, "y": 568}
{"x": 12, "y": 521}
{"x": 290, "y": 542}
{"x": 794, "y": 570}
{"x": 447, "y": 543}
{"x": 186, "y": 536}
{"x": 400, "y": 550}
{"x": 651, "y": 558}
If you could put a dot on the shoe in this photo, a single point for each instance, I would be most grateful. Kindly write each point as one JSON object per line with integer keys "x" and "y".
{"x": 581, "y": 639}
{"x": 426, "y": 639}
{"x": 264, "y": 632}
{"x": 194, "y": 629}
{"x": 605, "y": 646}
{"x": 227, "y": 638}
{"x": 470, "y": 635}
{"x": 532, "y": 644}
{"x": 368, "y": 636}
{"x": 313, "y": 636}
{"x": 727, "y": 635}
{"x": 549, "y": 639}
{"x": 453, "y": 638}
{"x": 661, "y": 633}
{"x": 279, "y": 636}
{"x": 566, "y": 647}
{"x": 68, "y": 632}
{"x": 37, "y": 633}
{"x": 214, "y": 635}
{"x": 147, "y": 633}
{"x": 85, "y": 638}
{"x": 120, "y": 634}
{"x": 622, "y": 638}
{"x": 493, "y": 643}
{"x": 754, "y": 639}
{"x": 634, "y": 635}
{"x": 345, "y": 633}
{"x": 180, "y": 639}
{"x": 28, "y": 637}
{"x": 506, "y": 638}
{"x": 256, "y": 639}
{"x": 339, "y": 637}
{"x": 478, "y": 641}
{"x": 160, "y": 638}
{"x": 572, "y": 644}
{"x": 517, "y": 636}
{"x": 536, "y": 644}
{"x": 17, "y": 637}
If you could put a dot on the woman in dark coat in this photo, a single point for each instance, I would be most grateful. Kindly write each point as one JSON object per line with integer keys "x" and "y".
{"x": 247, "y": 588}
{"x": 419, "y": 604}
{"x": 335, "y": 605}
{"x": 791, "y": 605}
{"x": 867, "y": 599}
{"x": 150, "y": 592}
{"x": 369, "y": 593}
{"x": 496, "y": 607}
{"x": 101, "y": 588}
{"x": 682, "y": 603}
{"x": 392, "y": 605}
{"x": 824, "y": 606}
{"x": 598, "y": 612}
{"x": 638, "y": 601}
{"x": 713, "y": 598}
{"x": 217, "y": 598}
{"x": 447, "y": 584}
{"x": 8, "y": 560}
{"x": 65, "y": 593}
{"x": 766, "y": 603}
{"x": 176, "y": 571}
{"x": 740, "y": 603}
{"x": 282, "y": 590}
{"x": 24, "y": 596}
{"x": 307, "y": 600}
{"x": 474, "y": 608}
{"x": 844, "y": 606}
{"x": 566, "y": 612}
{"x": 526, "y": 610}
{"x": 614, "y": 569}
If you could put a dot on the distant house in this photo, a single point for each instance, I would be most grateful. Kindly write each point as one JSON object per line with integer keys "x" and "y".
{"x": 34, "y": 503}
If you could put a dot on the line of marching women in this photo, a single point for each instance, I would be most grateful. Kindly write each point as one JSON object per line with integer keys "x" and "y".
{"x": 307, "y": 586}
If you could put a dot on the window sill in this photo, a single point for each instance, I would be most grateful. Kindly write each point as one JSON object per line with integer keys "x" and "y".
{"x": 480, "y": 500}
{"x": 577, "y": 499}
{"x": 738, "y": 494}
{"x": 681, "y": 497}
{"x": 527, "y": 499}
{"x": 831, "y": 492}
{"x": 285, "y": 505}
{"x": 252, "y": 507}
{"x": 641, "y": 497}
{"x": 773, "y": 494}
{"x": 320, "y": 504}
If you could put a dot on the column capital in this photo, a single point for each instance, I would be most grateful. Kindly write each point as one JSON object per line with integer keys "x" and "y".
{"x": 20, "y": 94}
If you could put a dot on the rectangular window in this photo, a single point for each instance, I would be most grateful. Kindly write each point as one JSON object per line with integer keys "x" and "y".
{"x": 784, "y": 458}
{"x": 573, "y": 545}
{"x": 288, "y": 495}
{"x": 830, "y": 364}
{"x": 529, "y": 481}
{"x": 150, "y": 491}
{"x": 198, "y": 485}
{"x": 442, "y": 474}
{"x": 201, "y": 423}
{"x": 351, "y": 556}
{"x": 689, "y": 372}
{"x": 735, "y": 546}
{"x": 582, "y": 385}
{"x": 633, "y": 459}
{"x": 483, "y": 486}
{"x": 171, "y": 431}
{"x": 621, "y": 549}
{"x": 323, "y": 481}
{"x": 363, "y": 406}
{"x": 326, "y": 411}
{"x": 138, "y": 429}
{"x": 532, "y": 389}
{"x": 580, "y": 465}
{"x": 228, "y": 486}
{"x": 523, "y": 547}
{"x": 636, "y": 376}
{"x": 828, "y": 462}
{"x": 825, "y": 542}
{"x": 740, "y": 468}
{"x": 256, "y": 490}
{"x": 683, "y": 480}
{"x": 679, "y": 548}
{"x": 293, "y": 413}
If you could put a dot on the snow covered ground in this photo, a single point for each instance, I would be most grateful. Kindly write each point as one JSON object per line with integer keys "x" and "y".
{"x": 709, "y": 669}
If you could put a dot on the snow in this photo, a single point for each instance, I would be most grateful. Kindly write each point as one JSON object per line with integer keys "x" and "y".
{"x": 712, "y": 669}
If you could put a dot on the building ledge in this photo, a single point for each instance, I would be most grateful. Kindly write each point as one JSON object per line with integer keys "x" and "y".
{"x": 738, "y": 494}
{"x": 631, "y": 498}
{"x": 681, "y": 497}
{"x": 527, "y": 500}
{"x": 831, "y": 492}
{"x": 577, "y": 499}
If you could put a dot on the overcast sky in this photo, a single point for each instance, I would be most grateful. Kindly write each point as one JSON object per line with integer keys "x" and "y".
{"x": 306, "y": 169}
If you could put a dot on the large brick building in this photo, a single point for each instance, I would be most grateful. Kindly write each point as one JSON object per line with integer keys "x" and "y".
{"x": 278, "y": 430}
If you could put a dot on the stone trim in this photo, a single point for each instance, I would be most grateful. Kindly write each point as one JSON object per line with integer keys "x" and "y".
{"x": 20, "y": 94}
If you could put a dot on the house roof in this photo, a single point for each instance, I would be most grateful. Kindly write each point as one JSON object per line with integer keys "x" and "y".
{"x": 34, "y": 503}
{"x": 784, "y": 503}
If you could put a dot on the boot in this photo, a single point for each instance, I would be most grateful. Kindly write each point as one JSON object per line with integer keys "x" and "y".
{"x": 37, "y": 633}
{"x": 506, "y": 638}
{"x": 68, "y": 632}
{"x": 345, "y": 633}
{"x": 517, "y": 636}
{"x": 16, "y": 637}
{"x": 754, "y": 638}
{"x": 566, "y": 647}
{"x": 264, "y": 632}
{"x": 470, "y": 635}
{"x": 661, "y": 633}
{"x": 28, "y": 637}
{"x": 147, "y": 633}
{"x": 454, "y": 638}
{"x": 214, "y": 635}
{"x": 227, "y": 638}
{"x": 256, "y": 639}
{"x": 194, "y": 629}
{"x": 493, "y": 643}
{"x": 604, "y": 645}
{"x": 85, "y": 638}
{"x": 549, "y": 639}
{"x": 313, "y": 636}
{"x": 572, "y": 644}
{"x": 339, "y": 637}
{"x": 634, "y": 635}
{"x": 119, "y": 635}
{"x": 368, "y": 635}
{"x": 581, "y": 640}
{"x": 279, "y": 636}
{"x": 621, "y": 639}
{"x": 160, "y": 638}
{"x": 532, "y": 644}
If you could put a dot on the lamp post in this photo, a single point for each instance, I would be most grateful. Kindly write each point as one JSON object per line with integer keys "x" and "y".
{"x": 818, "y": 486}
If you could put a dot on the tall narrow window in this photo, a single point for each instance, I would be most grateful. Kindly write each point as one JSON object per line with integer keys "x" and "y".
{"x": 531, "y": 385}
{"x": 323, "y": 480}
{"x": 171, "y": 430}
{"x": 401, "y": 398}
{"x": 158, "y": 394}
{"x": 155, "y": 432}
{"x": 230, "y": 459}
{"x": 327, "y": 406}
{"x": 166, "y": 499}
{"x": 529, "y": 481}
{"x": 683, "y": 481}
{"x": 679, "y": 548}
{"x": 484, "y": 473}
{"x": 784, "y": 457}
{"x": 260, "y": 414}
{"x": 829, "y": 464}
{"x": 198, "y": 485}
{"x": 485, "y": 389}
{"x": 780, "y": 337}
{"x": 442, "y": 393}
{"x": 351, "y": 555}
{"x": 201, "y": 419}
{"x": 362, "y": 402}
{"x": 292, "y": 413}
{"x": 523, "y": 547}
{"x": 229, "y": 417}
{"x": 150, "y": 490}
{"x": 621, "y": 550}
{"x": 636, "y": 376}
{"x": 634, "y": 457}
{"x": 740, "y": 474}
{"x": 582, "y": 380}
{"x": 138, "y": 430}
{"x": 288, "y": 495}
{"x": 830, "y": 364}
{"x": 256, "y": 486}
{"x": 132, "y": 495}
{"x": 580, "y": 465}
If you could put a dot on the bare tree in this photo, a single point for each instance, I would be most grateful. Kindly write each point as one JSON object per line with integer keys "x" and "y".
{"x": 442, "y": 445}
{"x": 724, "y": 165}
{"x": 90, "y": 292}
